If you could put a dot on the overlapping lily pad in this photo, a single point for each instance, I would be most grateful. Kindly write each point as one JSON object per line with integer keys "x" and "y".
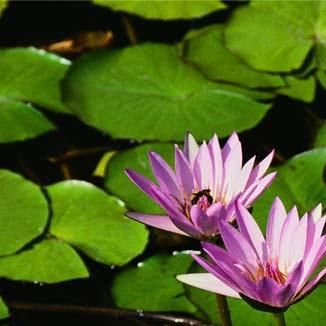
{"x": 179, "y": 9}
{"x": 320, "y": 140}
{"x": 32, "y": 75}
{"x": 94, "y": 222}
{"x": 277, "y": 36}
{"x": 20, "y": 121}
{"x": 4, "y": 312}
{"x": 206, "y": 50}
{"x": 147, "y": 92}
{"x": 23, "y": 212}
{"x": 156, "y": 274}
{"x": 135, "y": 159}
{"x": 49, "y": 261}
{"x": 299, "y": 182}
{"x": 300, "y": 89}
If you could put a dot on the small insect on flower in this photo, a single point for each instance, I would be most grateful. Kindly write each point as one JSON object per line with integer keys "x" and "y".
{"x": 203, "y": 187}
{"x": 269, "y": 274}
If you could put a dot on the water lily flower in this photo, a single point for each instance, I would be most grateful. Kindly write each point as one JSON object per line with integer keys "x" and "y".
{"x": 273, "y": 273}
{"x": 203, "y": 188}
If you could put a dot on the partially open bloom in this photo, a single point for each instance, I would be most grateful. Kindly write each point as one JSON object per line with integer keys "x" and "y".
{"x": 203, "y": 188}
{"x": 275, "y": 272}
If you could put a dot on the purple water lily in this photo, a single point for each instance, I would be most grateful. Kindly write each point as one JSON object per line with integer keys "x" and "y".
{"x": 203, "y": 188}
{"x": 275, "y": 272}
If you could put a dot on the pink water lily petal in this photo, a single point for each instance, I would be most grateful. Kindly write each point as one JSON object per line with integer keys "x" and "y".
{"x": 299, "y": 238}
{"x": 227, "y": 264}
{"x": 216, "y": 212}
{"x": 206, "y": 224}
{"x": 245, "y": 174}
{"x": 203, "y": 169}
{"x": 217, "y": 163}
{"x": 229, "y": 145}
{"x": 218, "y": 272}
{"x": 209, "y": 283}
{"x": 316, "y": 225}
{"x": 232, "y": 172}
{"x": 238, "y": 246}
{"x": 285, "y": 243}
{"x": 261, "y": 168}
{"x": 191, "y": 148}
{"x": 268, "y": 291}
{"x": 250, "y": 229}
{"x": 175, "y": 215}
{"x": 276, "y": 219}
{"x": 290, "y": 287}
{"x": 162, "y": 222}
{"x": 257, "y": 188}
{"x": 141, "y": 182}
{"x": 316, "y": 213}
{"x": 311, "y": 285}
{"x": 313, "y": 258}
{"x": 164, "y": 175}
{"x": 184, "y": 173}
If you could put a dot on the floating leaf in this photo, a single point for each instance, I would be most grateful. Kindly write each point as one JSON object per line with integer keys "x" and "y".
{"x": 165, "y": 10}
{"x": 4, "y": 312}
{"x": 300, "y": 89}
{"x": 321, "y": 75}
{"x": 290, "y": 30}
{"x": 49, "y": 261}
{"x": 23, "y": 212}
{"x": 136, "y": 159}
{"x": 257, "y": 94}
{"x": 94, "y": 222}
{"x": 19, "y": 121}
{"x": 299, "y": 182}
{"x": 134, "y": 288}
{"x": 205, "y": 49}
{"x": 147, "y": 92}
{"x": 320, "y": 140}
{"x": 32, "y": 75}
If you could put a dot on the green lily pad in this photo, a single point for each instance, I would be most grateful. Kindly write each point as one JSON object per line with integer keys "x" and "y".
{"x": 49, "y": 261}
{"x": 152, "y": 285}
{"x": 20, "y": 121}
{"x": 299, "y": 182}
{"x": 23, "y": 212}
{"x": 165, "y": 10}
{"x": 257, "y": 94}
{"x": 299, "y": 89}
{"x": 321, "y": 76}
{"x": 320, "y": 140}
{"x": 94, "y": 222}
{"x": 290, "y": 30}
{"x": 4, "y": 311}
{"x": 135, "y": 159}
{"x": 205, "y": 49}
{"x": 32, "y": 75}
{"x": 147, "y": 92}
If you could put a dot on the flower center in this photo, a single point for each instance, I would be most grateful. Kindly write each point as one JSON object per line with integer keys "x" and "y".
{"x": 272, "y": 271}
{"x": 202, "y": 198}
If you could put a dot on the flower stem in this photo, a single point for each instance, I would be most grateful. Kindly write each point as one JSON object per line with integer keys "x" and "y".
{"x": 223, "y": 310}
{"x": 280, "y": 319}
